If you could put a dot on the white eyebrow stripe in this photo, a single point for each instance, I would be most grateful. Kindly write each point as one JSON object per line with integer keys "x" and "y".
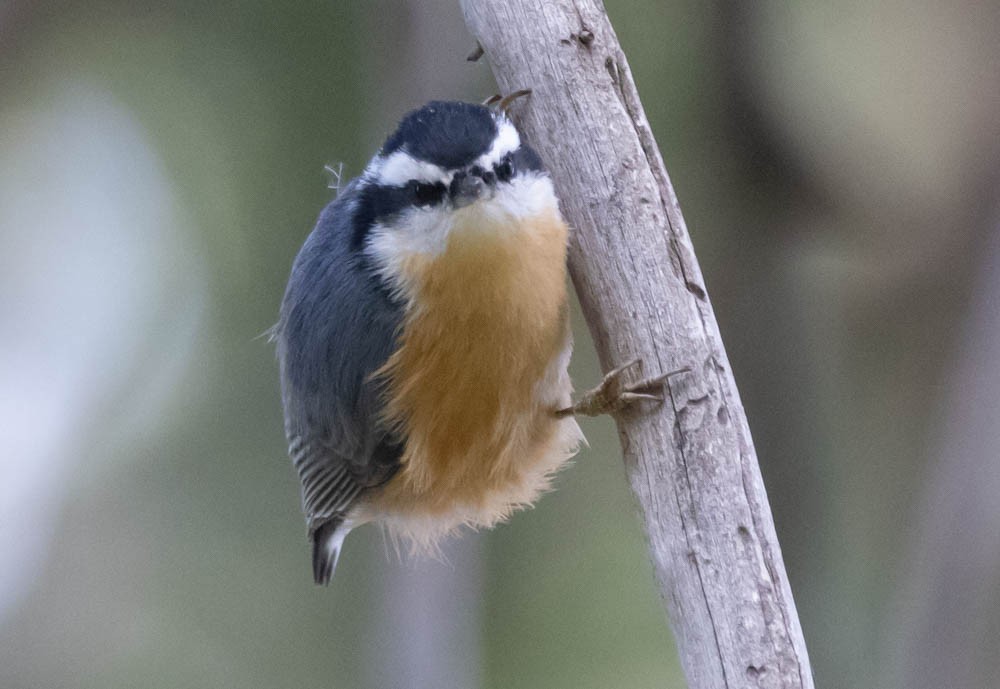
{"x": 400, "y": 167}
{"x": 506, "y": 140}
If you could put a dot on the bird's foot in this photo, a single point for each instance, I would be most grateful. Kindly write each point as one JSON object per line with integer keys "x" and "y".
{"x": 613, "y": 395}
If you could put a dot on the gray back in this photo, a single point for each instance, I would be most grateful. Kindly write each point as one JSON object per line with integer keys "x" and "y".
{"x": 338, "y": 325}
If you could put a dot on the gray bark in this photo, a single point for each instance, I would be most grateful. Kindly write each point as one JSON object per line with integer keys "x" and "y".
{"x": 691, "y": 461}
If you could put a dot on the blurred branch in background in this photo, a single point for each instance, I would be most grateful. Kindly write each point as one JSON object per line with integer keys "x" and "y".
{"x": 428, "y": 620}
{"x": 949, "y": 608}
{"x": 869, "y": 138}
{"x": 428, "y": 614}
{"x": 87, "y": 307}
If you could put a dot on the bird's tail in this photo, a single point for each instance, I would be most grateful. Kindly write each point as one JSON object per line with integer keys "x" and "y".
{"x": 327, "y": 540}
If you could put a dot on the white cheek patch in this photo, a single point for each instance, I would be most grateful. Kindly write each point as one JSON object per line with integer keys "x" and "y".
{"x": 527, "y": 195}
{"x": 417, "y": 231}
{"x": 400, "y": 167}
{"x": 425, "y": 231}
{"x": 506, "y": 140}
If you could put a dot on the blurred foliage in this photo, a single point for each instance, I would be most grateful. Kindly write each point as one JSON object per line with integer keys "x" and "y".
{"x": 836, "y": 163}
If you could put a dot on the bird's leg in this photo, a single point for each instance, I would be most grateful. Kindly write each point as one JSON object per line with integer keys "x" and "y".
{"x": 613, "y": 395}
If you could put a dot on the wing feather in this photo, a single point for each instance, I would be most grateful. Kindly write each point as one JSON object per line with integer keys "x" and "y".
{"x": 338, "y": 326}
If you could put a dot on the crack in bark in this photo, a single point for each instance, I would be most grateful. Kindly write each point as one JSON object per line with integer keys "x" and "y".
{"x": 682, "y": 510}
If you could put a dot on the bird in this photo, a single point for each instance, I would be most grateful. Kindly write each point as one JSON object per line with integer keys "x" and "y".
{"x": 424, "y": 338}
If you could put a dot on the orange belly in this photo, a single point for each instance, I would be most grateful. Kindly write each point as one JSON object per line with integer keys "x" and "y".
{"x": 479, "y": 370}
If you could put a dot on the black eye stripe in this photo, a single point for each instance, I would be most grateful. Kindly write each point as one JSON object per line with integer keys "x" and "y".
{"x": 505, "y": 168}
{"x": 375, "y": 203}
{"x": 379, "y": 202}
{"x": 525, "y": 159}
{"x": 385, "y": 201}
{"x": 522, "y": 159}
{"x": 427, "y": 193}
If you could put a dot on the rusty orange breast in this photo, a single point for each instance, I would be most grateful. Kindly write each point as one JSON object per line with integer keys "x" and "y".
{"x": 488, "y": 318}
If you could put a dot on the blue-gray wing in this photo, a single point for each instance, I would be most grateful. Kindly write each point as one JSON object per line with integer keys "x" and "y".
{"x": 338, "y": 325}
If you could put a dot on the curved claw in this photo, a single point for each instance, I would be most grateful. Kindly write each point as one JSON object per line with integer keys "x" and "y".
{"x": 508, "y": 100}
{"x": 649, "y": 384}
{"x": 616, "y": 372}
{"x": 637, "y": 396}
{"x": 612, "y": 395}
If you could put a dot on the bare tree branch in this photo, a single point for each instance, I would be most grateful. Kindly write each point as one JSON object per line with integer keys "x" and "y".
{"x": 691, "y": 463}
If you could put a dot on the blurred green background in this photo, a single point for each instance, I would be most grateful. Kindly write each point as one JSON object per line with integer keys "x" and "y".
{"x": 160, "y": 164}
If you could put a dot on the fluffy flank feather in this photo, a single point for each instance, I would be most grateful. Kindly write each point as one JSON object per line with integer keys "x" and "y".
{"x": 482, "y": 439}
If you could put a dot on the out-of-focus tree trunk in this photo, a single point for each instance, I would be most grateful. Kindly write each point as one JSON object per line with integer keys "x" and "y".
{"x": 949, "y": 610}
{"x": 428, "y": 613}
{"x": 427, "y": 620}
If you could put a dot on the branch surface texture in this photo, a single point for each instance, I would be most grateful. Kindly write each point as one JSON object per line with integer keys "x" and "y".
{"x": 691, "y": 462}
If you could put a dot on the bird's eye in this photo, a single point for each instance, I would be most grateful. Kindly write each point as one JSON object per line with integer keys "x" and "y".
{"x": 505, "y": 168}
{"x": 425, "y": 194}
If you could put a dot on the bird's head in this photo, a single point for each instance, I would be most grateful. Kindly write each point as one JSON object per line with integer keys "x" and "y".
{"x": 449, "y": 167}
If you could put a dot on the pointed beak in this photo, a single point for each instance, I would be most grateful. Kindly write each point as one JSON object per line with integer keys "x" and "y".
{"x": 466, "y": 188}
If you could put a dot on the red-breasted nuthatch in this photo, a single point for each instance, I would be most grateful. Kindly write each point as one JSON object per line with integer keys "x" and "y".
{"x": 424, "y": 337}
